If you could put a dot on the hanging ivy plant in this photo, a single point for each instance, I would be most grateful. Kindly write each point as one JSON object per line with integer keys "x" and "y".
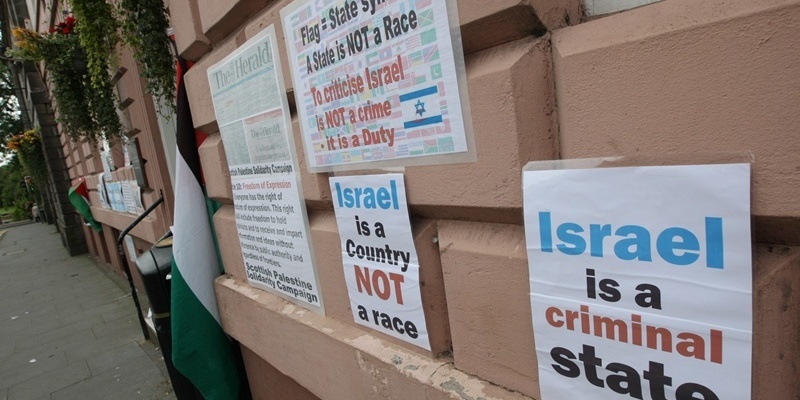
{"x": 79, "y": 57}
{"x": 66, "y": 65}
{"x": 84, "y": 112}
{"x": 97, "y": 33}
{"x": 144, "y": 28}
{"x": 28, "y": 146}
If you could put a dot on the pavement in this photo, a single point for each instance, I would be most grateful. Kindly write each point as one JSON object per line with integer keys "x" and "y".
{"x": 11, "y": 224}
{"x": 68, "y": 329}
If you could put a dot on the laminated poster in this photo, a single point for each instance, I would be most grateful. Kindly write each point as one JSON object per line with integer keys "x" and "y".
{"x": 254, "y": 122}
{"x": 101, "y": 189}
{"x": 115, "y": 196}
{"x": 130, "y": 190}
{"x": 641, "y": 281}
{"x": 378, "y": 82}
{"x": 378, "y": 255}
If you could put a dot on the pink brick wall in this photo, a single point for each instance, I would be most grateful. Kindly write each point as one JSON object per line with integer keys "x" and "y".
{"x": 671, "y": 79}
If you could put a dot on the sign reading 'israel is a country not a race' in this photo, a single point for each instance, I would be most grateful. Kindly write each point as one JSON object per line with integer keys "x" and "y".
{"x": 378, "y": 82}
{"x": 641, "y": 281}
{"x": 380, "y": 261}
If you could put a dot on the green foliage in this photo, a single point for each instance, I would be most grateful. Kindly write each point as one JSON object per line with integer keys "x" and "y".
{"x": 25, "y": 176}
{"x": 65, "y": 62}
{"x": 10, "y": 121}
{"x": 21, "y": 210}
{"x": 79, "y": 61}
{"x": 144, "y": 28}
{"x": 86, "y": 103}
{"x": 97, "y": 32}
{"x": 30, "y": 154}
{"x": 103, "y": 105}
{"x": 12, "y": 191}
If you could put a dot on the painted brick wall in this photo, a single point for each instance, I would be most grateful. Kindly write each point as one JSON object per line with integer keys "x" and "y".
{"x": 673, "y": 78}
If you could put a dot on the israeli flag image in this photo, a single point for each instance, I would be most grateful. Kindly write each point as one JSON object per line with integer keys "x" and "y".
{"x": 421, "y": 107}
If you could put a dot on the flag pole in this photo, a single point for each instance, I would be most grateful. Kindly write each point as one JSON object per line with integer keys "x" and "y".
{"x": 127, "y": 269}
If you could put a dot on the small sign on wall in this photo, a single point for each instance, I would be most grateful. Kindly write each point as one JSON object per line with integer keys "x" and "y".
{"x": 255, "y": 126}
{"x": 378, "y": 83}
{"x": 641, "y": 281}
{"x": 378, "y": 255}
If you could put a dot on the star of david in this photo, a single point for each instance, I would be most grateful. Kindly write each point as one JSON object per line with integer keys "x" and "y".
{"x": 420, "y": 107}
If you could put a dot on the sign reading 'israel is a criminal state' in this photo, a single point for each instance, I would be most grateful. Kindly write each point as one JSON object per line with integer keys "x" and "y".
{"x": 641, "y": 281}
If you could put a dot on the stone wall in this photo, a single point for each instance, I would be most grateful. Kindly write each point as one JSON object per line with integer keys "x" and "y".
{"x": 677, "y": 78}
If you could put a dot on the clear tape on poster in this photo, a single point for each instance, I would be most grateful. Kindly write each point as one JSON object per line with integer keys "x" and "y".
{"x": 372, "y": 171}
{"x": 468, "y": 156}
{"x": 239, "y": 152}
{"x": 298, "y": 176}
{"x": 643, "y": 160}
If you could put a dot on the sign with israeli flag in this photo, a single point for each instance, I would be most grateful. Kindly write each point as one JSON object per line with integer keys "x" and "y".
{"x": 378, "y": 83}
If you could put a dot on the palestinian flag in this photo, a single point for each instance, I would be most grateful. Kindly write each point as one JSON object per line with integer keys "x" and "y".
{"x": 201, "y": 350}
{"x": 79, "y": 197}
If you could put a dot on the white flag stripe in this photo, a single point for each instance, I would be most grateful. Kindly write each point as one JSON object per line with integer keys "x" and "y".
{"x": 193, "y": 246}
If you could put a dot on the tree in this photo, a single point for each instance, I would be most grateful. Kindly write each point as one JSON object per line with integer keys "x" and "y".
{"x": 10, "y": 118}
{"x": 10, "y": 121}
{"x": 13, "y": 190}
{"x": 12, "y": 186}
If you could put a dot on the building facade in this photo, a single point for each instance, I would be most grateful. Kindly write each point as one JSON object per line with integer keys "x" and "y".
{"x": 677, "y": 80}
{"x": 673, "y": 81}
{"x": 143, "y": 160}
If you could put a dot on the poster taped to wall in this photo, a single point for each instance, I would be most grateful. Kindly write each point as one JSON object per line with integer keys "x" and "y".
{"x": 101, "y": 189}
{"x": 380, "y": 261}
{"x": 116, "y": 199}
{"x": 132, "y": 197}
{"x": 641, "y": 281}
{"x": 378, "y": 83}
{"x": 271, "y": 220}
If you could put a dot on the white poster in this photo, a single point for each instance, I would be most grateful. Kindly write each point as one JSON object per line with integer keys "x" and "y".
{"x": 253, "y": 117}
{"x": 131, "y": 247}
{"x": 378, "y": 255}
{"x": 641, "y": 281}
{"x": 115, "y": 196}
{"x": 130, "y": 190}
{"x": 101, "y": 189}
{"x": 377, "y": 81}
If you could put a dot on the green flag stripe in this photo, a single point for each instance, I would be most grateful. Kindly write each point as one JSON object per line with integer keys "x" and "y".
{"x": 209, "y": 353}
{"x": 84, "y": 209}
